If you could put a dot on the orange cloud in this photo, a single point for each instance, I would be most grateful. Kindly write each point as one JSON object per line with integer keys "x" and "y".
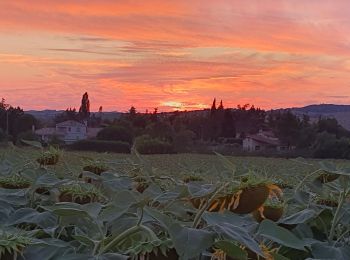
{"x": 173, "y": 54}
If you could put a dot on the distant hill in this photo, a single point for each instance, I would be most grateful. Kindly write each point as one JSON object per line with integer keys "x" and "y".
{"x": 323, "y": 109}
{"x": 44, "y": 115}
{"x": 47, "y": 116}
{"x": 339, "y": 112}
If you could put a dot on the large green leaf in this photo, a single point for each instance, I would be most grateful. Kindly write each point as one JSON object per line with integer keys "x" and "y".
{"x": 326, "y": 251}
{"x": 189, "y": 242}
{"x": 67, "y": 209}
{"x": 299, "y": 217}
{"x": 279, "y": 257}
{"x": 200, "y": 190}
{"x": 331, "y": 168}
{"x": 47, "y": 180}
{"x": 92, "y": 209}
{"x": 272, "y": 231}
{"x": 47, "y": 249}
{"x": 14, "y": 197}
{"x": 216, "y": 218}
{"x": 231, "y": 249}
{"x": 29, "y": 215}
{"x": 161, "y": 218}
{"x": 120, "y": 204}
{"x": 239, "y": 234}
{"x": 85, "y": 240}
{"x": 5, "y": 210}
{"x": 115, "y": 183}
{"x": 111, "y": 256}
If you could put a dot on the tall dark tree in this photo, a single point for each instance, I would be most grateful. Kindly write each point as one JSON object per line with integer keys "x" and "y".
{"x": 13, "y": 121}
{"x": 132, "y": 111}
{"x": 213, "y": 107}
{"x": 3, "y": 105}
{"x": 84, "y": 110}
{"x": 221, "y": 106}
{"x": 228, "y": 128}
{"x": 154, "y": 115}
{"x": 287, "y": 127}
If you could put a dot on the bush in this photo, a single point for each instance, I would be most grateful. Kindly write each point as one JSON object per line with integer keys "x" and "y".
{"x": 100, "y": 146}
{"x": 183, "y": 140}
{"x": 328, "y": 146}
{"x": 27, "y": 135}
{"x": 115, "y": 133}
{"x": 3, "y": 136}
{"x": 147, "y": 145}
{"x": 56, "y": 141}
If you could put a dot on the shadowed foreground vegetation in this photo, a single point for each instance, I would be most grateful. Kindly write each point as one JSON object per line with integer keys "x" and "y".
{"x": 73, "y": 205}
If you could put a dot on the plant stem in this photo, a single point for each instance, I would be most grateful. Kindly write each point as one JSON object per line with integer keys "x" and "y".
{"x": 96, "y": 245}
{"x": 342, "y": 236}
{"x": 205, "y": 206}
{"x": 140, "y": 219}
{"x": 125, "y": 234}
{"x": 304, "y": 179}
{"x": 336, "y": 215}
{"x": 120, "y": 238}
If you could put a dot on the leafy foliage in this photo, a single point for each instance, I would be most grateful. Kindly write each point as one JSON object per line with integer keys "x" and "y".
{"x": 110, "y": 219}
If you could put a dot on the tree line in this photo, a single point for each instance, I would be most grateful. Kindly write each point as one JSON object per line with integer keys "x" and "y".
{"x": 184, "y": 131}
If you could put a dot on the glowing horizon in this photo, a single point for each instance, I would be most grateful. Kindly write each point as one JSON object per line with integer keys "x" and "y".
{"x": 174, "y": 54}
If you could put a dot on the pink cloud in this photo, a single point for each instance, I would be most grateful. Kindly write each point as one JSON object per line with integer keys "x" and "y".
{"x": 151, "y": 53}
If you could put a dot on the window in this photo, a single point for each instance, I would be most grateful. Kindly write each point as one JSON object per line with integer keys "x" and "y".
{"x": 257, "y": 148}
{"x": 78, "y": 129}
{"x": 69, "y": 129}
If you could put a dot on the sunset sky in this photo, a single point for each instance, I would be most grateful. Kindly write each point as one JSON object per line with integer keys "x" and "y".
{"x": 174, "y": 54}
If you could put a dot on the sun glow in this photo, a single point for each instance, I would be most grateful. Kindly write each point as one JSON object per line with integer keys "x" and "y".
{"x": 177, "y": 55}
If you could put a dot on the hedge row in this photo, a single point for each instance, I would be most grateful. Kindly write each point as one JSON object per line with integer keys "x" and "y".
{"x": 147, "y": 145}
{"x": 100, "y": 146}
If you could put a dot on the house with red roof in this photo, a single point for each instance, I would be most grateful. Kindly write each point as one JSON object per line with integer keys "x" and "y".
{"x": 263, "y": 141}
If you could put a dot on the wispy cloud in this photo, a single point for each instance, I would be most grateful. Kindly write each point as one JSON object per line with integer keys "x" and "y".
{"x": 174, "y": 54}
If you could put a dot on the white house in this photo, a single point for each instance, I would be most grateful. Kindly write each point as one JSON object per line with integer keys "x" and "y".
{"x": 262, "y": 141}
{"x": 69, "y": 131}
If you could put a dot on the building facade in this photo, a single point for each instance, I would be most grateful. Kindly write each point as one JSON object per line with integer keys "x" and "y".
{"x": 263, "y": 141}
{"x": 69, "y": 132}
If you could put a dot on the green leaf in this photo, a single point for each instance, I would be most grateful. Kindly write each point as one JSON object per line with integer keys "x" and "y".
{"x": 29, "y": 215}
{"x": 163, "y": 219}
{"x": 278, "y": 257}
{"x": 47, "y": 249}
{"x": 272, "y": 231}
{"x": 64, "y": 209}
{"x": 240, "y": 234}
{"x": 47, "y": 180}
{"x": 84, "y": 240}
{"x": 299, "y": 217}
{"x": 326, "y": 251}
{"x": 231, "y": 249}
{"x": 200, "y": 190}
{"x": 93, "y": 209}
{"x": 331, "y": 168}
{"x": 190, "y": 242}
{"x": 112, "y": 256}
{"x": 120, "y": 204}
{"x": 216, "y": 218}
{"x": 14, "y": 197}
